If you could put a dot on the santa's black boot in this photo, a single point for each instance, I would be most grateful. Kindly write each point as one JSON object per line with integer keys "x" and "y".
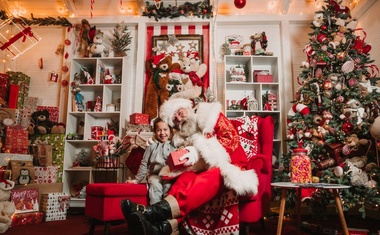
{"x": 128, "y": 207}
{"x": 139, "y": 225}
{"x": 155, "y": 213}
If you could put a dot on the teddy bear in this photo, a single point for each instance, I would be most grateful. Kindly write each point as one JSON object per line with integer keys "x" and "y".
{"x": 318, "y": 20}
{"x": 40, "y": 123}
{"x": 191, "y": 73}
{"x": 338, "y": 37}
{"x": 7, "y": 208}
{"x": 159, "y": 67}
{"x": 97, "y": 49}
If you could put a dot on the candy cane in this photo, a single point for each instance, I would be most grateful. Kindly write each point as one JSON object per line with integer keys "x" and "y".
{"x": 298, "y": 108}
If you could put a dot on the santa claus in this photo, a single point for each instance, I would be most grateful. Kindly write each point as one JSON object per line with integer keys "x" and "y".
{"x": 216, "y": 141}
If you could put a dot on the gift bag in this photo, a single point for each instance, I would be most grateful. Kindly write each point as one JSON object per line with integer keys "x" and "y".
{"x": 137, "y": 146}
{"x": 22, "y": 171}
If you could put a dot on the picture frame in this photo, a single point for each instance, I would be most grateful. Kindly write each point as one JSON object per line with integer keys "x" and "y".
{"x": 172, "y": 44}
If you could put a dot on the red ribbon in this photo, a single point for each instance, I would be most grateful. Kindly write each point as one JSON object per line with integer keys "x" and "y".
{"x": 195, "y": 79}
{"x": 26, "y": 32}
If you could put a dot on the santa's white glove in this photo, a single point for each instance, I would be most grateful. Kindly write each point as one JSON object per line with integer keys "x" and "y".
{"x": 192, "y": 156}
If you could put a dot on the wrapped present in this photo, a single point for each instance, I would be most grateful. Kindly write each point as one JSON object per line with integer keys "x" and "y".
{"x": 25, "y": 200}
{"x": 46, "y": 174}
{"x": 57, "y": 141}
{"x": 13, "y": 96}
{"x": 262, "y": 76}
{"x": 13, "y": 114}
{"x": 32, "y": 102}
{"x": 26, "y": 218}
{"x": 55, "y": 205}
{"x": 173, "y": 160}
{"x": 16, "y": 140}
{"x": 53, "y": 112}
{"x": 139, "y": 118}
{"x": 23, "y": 81}
{"x": 6, "y": 157}
{"x": 3, "y": 89}
{"x": 137, "y": 127}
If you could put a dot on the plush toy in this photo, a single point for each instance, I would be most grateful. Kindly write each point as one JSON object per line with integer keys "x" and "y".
{"x": 339, "y": 37}
{"x": 41, "y": 123}
{"x": 318, "y": 20}
{"x": 97, "y": 49}
{"x": 7, "y": 208}
{"x": 192, "y": 71}
{"x": 159, "y": 67}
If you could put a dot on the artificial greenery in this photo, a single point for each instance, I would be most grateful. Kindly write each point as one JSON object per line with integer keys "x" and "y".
{"x": 120, "y": 39}
{"x": 62, "y": 21}
{"x": 199, "y": 9}
{"x": 335, "y": 73}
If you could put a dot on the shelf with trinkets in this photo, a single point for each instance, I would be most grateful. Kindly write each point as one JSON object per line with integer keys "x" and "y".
{"x": 252, "y": 88}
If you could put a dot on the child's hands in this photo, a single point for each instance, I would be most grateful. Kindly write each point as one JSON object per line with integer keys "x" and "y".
{"x": 131, "y": 182}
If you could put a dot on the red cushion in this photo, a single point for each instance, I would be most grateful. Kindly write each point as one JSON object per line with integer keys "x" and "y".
{"x": 116, "y": 189}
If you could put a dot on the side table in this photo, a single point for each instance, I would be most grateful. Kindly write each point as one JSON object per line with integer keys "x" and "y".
{"x": 287, "y": 185}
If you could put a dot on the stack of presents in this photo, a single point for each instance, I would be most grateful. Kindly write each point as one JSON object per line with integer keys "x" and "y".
{"x": 31, "y": 155}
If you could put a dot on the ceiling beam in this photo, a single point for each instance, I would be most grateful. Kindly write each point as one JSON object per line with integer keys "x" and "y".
{"x": 70, "y": 5}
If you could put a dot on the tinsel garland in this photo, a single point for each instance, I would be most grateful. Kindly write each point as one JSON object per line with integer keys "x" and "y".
{"x": 200, "y": 9}
{"x": 62, "y": 21}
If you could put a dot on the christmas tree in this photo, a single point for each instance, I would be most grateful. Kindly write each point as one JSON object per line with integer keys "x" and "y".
{"x": 334, "y": 111}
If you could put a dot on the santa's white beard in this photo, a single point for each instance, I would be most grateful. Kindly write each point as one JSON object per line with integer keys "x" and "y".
{"x": 187, "y": 125}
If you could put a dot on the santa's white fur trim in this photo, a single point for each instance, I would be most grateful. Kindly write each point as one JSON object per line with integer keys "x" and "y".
{"x": 171, "y": 106}
{"x": 214, "y": 154}
{"x": 7, "y": 186}
{"x": 207, "y": 116}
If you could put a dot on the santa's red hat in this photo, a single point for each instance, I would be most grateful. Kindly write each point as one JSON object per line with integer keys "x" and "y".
{"x": 193, "y": 55}
{"x": 171, "y": 106}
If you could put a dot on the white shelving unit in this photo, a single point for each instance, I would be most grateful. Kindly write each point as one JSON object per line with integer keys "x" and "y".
{"x": 236, "y": 91}
{"x": 109, "y": 94}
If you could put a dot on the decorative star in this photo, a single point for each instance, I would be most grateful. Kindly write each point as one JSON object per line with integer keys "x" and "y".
{"x": 180, "y": 47}
{"x": 193, "y": 44}
{"x": 172, "y": 39}
{"x": 164, "y": 46}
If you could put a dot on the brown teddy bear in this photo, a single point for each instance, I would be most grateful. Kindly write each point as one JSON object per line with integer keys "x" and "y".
{"x": 159, "y": 67}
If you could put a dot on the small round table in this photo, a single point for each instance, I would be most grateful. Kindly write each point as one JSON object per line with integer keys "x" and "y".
{"x": 333, "y": 187}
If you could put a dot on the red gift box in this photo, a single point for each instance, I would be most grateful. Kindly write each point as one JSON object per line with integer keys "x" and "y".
{"x": 16, "y": 140}
{"x": 25, "y": 200}
{"x": 262, "y": 76}
{"x": 139, "y": 118}
{"x": 26, "y": 218}
{"x": 173, "y": 160}
{"x": 13, "y": 96}
{"x": 53, "y": 112}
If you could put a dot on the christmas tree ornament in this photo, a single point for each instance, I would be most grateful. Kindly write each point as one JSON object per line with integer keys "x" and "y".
{"x": 240, "y": 3}
{"x": 347, "y": 127}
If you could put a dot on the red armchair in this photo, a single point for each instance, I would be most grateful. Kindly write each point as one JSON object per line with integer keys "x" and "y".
{"x": 252, "y": 209}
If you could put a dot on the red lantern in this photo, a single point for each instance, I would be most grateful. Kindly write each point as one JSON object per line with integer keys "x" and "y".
{"x": 240, "y": 3}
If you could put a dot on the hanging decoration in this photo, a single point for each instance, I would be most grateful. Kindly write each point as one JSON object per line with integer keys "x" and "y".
{"x": 240, "y": 3}
{"x": 92, "y": 6}
{"x": 62, "y": 21}
{"x": 200, "y": 9}
{"x": 22, "y": 38}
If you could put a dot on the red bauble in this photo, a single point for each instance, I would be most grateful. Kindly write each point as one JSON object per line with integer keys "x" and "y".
{"x": 64, "y": 82}
{"x": 347, "y": 127}
{"x": 240, "y": 3}
{"x": 323, "y": 27}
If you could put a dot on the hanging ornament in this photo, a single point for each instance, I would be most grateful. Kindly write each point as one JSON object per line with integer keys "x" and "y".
{"x": 240, "y": 3}
{"x": 92, "y": 7}
{"x": 347, "y": 127}
{"x": 64, "y": 82}
{"x": 41, "y": 63}
{"x": 65, "y": 69}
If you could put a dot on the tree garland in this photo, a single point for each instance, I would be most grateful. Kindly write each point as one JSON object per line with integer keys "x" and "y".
{"x": 200, "y": 9}
{"x": 62, "y": 21}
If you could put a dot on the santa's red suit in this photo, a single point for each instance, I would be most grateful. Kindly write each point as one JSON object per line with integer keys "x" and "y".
{"x": 218, "y": 144}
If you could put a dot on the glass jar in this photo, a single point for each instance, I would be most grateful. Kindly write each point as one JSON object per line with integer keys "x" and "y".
{"x": 300, "y": 166}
